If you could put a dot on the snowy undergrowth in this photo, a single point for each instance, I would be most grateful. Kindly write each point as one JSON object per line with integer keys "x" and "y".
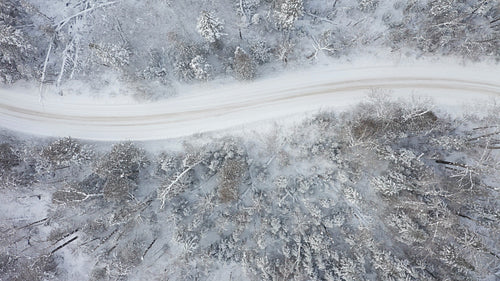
{"x": 387, "y": 190}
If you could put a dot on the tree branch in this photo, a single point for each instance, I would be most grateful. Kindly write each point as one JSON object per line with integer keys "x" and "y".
{"x": 62, "y": 23}
{"x": 167, "y": 189}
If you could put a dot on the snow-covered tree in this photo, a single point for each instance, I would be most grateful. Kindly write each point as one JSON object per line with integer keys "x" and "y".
{"x": 112, "y": 55}
{"x": 368, "y": 5}
{"x": 120, "y": 168}
{"x": 288, "y": 13}
{"x": 157, "y": 67}
{"x": 16, "y": 52}
{"x": 247, "y": 7}
{"x": 62, "y": 151}
{"x": 210, "y": 27}
{"x": 244, "y": 67}
{"x": 201, "y": 69}
{"x": 261, "y": 52}
{"x": 181, "y": 53}
{"x": 8, "y": 157}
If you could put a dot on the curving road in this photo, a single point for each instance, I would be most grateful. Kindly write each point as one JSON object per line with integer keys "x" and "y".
{"x": 211, "y": 107}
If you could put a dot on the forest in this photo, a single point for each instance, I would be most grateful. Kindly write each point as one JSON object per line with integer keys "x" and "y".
{"x": 388, "y": 190}
{"x": 151, "y": 46}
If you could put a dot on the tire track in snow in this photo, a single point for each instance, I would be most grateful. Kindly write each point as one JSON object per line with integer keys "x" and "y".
{"x": 223, "y": 108}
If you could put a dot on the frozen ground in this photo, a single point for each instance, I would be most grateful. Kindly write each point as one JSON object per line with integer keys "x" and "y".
{"x": 208, "y": 107}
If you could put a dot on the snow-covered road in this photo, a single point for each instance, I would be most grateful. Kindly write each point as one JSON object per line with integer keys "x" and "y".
{"x": 211, "y": 107}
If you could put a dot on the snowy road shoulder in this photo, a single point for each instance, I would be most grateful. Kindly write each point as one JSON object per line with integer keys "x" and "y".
{"x": 210, "y": 108}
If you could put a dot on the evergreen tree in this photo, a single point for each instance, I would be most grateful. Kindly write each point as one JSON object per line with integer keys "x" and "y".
{"x": 210, "y": 27}
{"x": 200, "y": 67}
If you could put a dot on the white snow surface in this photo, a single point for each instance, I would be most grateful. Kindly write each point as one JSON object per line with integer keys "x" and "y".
{"x": 212, "y": 107}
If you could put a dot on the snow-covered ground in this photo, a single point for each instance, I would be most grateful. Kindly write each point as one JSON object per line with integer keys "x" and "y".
{"x": 210, "y": 107}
